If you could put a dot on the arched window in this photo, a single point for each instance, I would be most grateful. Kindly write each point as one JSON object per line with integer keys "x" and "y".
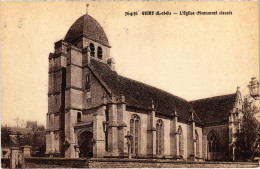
{"x": 79, "y": 117}
{"x": 92, "y": 49}
{"x": 180, "y": 140}
{"x": 100, "y": 52}
{"x": 197, "y": 153}
{"x": 159, "y": 137}
{"x": 135, "y": 124}
{"x": 213, "y": 140}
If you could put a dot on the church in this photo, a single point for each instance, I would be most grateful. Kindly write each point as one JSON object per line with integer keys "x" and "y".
{"x": 92, "y": 109}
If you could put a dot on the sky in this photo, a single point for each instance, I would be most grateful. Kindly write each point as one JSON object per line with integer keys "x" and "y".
{"x": 192, "y": 57}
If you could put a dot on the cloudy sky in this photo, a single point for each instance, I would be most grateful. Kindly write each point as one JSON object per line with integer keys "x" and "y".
{"x": 189, "y": 56}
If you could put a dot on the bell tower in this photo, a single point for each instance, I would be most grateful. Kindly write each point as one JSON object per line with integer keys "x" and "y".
{"x": 67, "y": 89}
{"x": 56, "y": 99}
{"x": 87, "y": 32}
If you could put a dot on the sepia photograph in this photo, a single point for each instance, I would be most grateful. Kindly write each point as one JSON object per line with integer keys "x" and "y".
{"x": 130, "y": 84}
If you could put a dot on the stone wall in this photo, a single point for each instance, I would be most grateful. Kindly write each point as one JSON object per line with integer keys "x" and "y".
{"x": 155, "y": 163}
{"x": 93, "y": 97}
{"x": 34, "y": 162}
{"x": 199, "y": 130}
{"x": 185, "y": 136}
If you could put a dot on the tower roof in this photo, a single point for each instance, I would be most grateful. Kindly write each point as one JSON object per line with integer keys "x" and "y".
{"x": 88, "y": 27}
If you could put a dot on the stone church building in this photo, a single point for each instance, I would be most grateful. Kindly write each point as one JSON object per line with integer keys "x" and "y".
{"x": 91, "y": 108}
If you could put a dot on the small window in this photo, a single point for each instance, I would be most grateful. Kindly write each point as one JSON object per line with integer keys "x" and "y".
{"x": 79, "y": 117}
{"x": 87, "y": 84}
{"x": 88, "y": 78}
{"x": 100, "y": 52}
{"x": 92, "y": 49}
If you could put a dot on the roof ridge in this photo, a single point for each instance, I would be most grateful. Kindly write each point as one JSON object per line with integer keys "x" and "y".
{"x": 213, "y": 97}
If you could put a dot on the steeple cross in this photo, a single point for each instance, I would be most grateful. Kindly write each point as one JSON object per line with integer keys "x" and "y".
{"x": 87, "y": 8}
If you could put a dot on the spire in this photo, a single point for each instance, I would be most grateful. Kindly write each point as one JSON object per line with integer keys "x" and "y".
{"x": 111, "y": 63}
{"x": 152, "y": 104}
{"x": 238, "y": 88}
{"x": 238, "y": 102}
{"x": 238, "y": 91}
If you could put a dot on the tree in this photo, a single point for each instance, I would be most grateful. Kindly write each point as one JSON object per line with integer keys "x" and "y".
{"x": 248, "y": 137}
{"x": 18, "y": 138}
{"x": 26, "y": 140}
{"x": 41, "y": 128}
{"x": 37, "y": 141}
{"x": 32, "y": 124}
{"x": 5, "y": 137}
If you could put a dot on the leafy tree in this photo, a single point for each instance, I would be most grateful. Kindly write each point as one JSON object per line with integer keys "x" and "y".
{"x": 11, "y": 136}
{"x": 26, "y": 140}
{"x": 248, "y": 137}
{"x": 32, "y": 124}
{"x": 37, "y": 135}
{"x": 40, "y": 128}
{"x": 19, "y": 138}
{"x": 5, "y": 137}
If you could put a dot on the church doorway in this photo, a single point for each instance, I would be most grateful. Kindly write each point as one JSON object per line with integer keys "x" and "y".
{"x": 85, "y": 142}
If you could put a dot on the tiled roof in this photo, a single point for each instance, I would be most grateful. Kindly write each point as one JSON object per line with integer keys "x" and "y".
{"x": 214, "y": 110}
{"x": 140, "y": 94}
{"x": 88, "y": 27}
